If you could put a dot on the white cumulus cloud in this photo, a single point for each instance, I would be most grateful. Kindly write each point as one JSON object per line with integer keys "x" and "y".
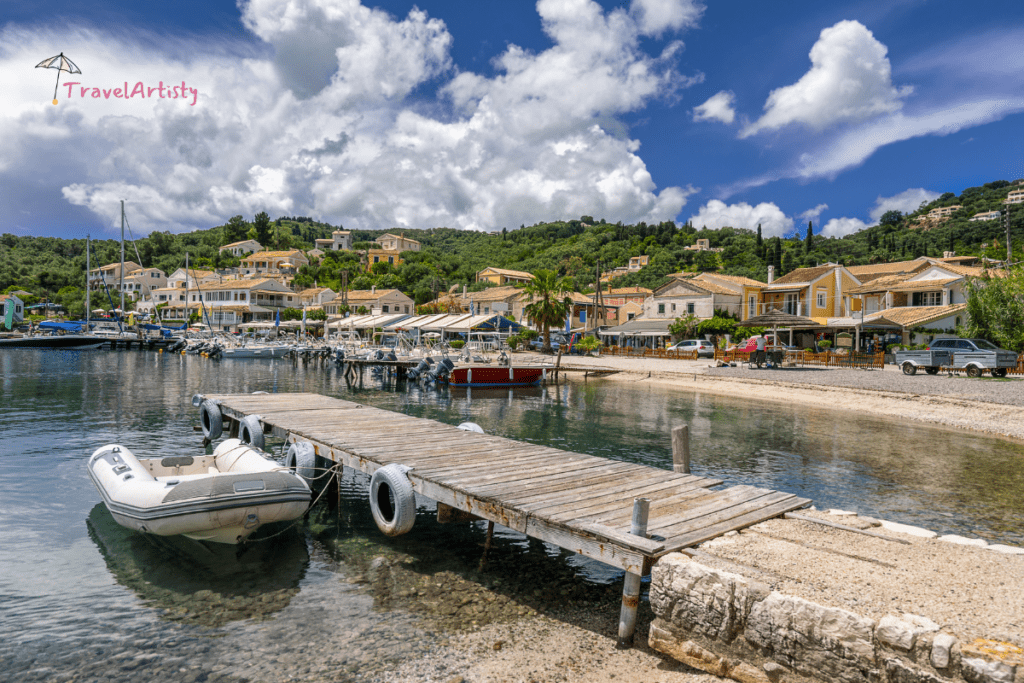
{"x": 850, "y": 79}
{"x": 718, "y": 107}
{"x": 905, "y": 202}
{"x": 654, "y": 17}
{"x": 813, "y": 214}
{"x": 840, "y": 227}
{"x": 326, "y": 116}
{"x": 717, "y": 214}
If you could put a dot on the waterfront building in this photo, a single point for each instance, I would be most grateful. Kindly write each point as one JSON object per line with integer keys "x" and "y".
{"x": 273, "y": 263}
{"x": 681, "y": 297}
{"x": 372, "y": 300}
{"x": 16, "y": 306}
{"x": 820, "y": 293}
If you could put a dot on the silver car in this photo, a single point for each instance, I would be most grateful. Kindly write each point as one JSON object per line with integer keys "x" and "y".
{"x": 702, "y": 347}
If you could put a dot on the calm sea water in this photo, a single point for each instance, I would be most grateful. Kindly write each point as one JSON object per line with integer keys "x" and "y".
{"x": 80, "y": 595}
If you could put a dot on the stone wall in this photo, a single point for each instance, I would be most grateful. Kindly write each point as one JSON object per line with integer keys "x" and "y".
{"x": 731, "y": 626}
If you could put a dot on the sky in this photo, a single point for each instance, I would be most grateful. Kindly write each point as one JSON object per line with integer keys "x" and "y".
{"x": 483, "y": 116}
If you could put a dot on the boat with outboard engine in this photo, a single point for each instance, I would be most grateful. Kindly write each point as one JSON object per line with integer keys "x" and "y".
{"x": 222, "y": 497}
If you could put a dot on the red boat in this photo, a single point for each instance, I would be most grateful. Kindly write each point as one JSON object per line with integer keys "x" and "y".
{"x": 496, "y": 376}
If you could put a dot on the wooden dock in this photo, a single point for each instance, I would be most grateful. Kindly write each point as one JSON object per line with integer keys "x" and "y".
{"x": 579, "y": 502}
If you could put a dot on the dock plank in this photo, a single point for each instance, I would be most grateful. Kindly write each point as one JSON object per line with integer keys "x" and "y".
{"x": 577, "y": 501}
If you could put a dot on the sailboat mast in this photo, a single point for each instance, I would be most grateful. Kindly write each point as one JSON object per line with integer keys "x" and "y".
{"x": 88, "y": 306}
{"x": 121, "y": 287}
{"x": 187, "y": 318}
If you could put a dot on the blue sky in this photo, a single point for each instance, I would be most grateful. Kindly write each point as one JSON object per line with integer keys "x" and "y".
{"x": 488, "y": 115}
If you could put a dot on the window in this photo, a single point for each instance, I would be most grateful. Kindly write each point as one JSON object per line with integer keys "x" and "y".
{"x": 751, "y": 306}
{"x": 384, "y": 308}
{"x": 690, "y": 308}
{"x": 927, "y": 298}
{"x": 406, "y": 308}
{"x": 661, "y": 308}
{"x": 821, "y": 298}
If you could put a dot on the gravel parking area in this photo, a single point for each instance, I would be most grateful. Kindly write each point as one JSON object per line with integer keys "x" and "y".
{"x": 1009, "y": 391}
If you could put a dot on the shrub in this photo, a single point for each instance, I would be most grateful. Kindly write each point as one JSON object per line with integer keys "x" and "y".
{"x": 514, "y": 341}
{"x": 456, "y": 343}
{"x": 825, "y": 344}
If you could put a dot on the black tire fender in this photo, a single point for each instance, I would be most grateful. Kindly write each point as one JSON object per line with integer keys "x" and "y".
{"x": 392, "y": 500}
{"x": 250, "y": 431}
{"x": 211, "y": 419}
{"x": 301, "y": 459}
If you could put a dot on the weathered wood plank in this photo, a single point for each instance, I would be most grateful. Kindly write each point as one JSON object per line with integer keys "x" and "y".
{"x": 576, "y": 501}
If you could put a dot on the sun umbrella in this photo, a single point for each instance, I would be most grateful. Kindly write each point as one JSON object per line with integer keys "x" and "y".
{"x": 60, "y": 63}
{"x": 776, "y": 318}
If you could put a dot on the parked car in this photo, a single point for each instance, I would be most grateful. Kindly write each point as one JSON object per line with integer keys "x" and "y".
{"x": 977, "y": 355}
{"x": 557, "y": 339}
{"x": 702, "y": 347}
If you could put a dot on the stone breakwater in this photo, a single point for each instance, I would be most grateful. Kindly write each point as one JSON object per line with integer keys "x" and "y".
{"x": 713, "y": 618}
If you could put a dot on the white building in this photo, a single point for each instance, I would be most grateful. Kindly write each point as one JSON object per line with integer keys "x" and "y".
{"x": 390, "y": 242}
{"x": 242, "y": 248}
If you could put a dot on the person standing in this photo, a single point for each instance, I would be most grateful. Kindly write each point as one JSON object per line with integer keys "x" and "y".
{"x": 761, "y": 343}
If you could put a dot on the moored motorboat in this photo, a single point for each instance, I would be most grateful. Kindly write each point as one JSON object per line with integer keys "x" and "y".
{"x": 222, "y": 497}
{"x": 255, "y": 351}
{"x": 496, "y": 376}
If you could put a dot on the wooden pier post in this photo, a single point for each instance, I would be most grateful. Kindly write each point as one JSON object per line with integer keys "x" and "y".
{"x": 631, "y": 584}
{"x": 681, "y": 450}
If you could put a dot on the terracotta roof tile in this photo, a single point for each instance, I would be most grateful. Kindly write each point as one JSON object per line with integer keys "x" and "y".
{"x": 803, "y": 275}
{"x": 911, "y": 316}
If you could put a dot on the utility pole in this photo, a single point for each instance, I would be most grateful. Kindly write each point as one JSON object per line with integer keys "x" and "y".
{"x": 121, "y": 286}
{"x": 1009, "y": 244}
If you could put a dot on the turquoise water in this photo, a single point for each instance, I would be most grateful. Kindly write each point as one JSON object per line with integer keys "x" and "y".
{"x": 77, "y": 591}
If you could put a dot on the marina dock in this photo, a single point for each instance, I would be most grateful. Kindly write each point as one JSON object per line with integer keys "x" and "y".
{"x": 582, "y": 503}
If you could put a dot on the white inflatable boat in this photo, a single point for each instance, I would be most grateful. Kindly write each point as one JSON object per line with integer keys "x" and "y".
{"x": 222, "y": 497}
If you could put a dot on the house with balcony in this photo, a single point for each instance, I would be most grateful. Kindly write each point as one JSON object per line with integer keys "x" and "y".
{"x": 820, "y": 292}
{"x": 399, "y": 243}
{"x": 242, "y": 248}
{"x": 235, "y": 302}
{"x": 161, "y": 297}
{"x": 340, "y": 240}
{"x": 193, "y": 278}
{"x": 110, "y": 274}
{"x": 1015, "y": 197}
{"x": 937, "y": 284}
{"x": 986, "y": 216}
{"x": 503, "y": 276}
{"x": 316, "y": 296}
{"x": 286, "y": 263}
{"x": 371, "y": 300}
{"x": 702, "y": 245}
{"x": 748, "y": 289}
{"x": 681, "y": 297}
{"x": 139, "y": 283}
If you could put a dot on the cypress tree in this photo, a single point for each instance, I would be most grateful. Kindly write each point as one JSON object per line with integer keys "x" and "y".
{"x": 760, "y": 243}
{"x": 810, "y": 237}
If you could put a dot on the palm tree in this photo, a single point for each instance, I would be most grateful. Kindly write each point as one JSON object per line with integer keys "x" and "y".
{"x": 551, "y": 303}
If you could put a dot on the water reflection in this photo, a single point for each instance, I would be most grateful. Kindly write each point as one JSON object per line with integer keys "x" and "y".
{"x": 203, "y": 583}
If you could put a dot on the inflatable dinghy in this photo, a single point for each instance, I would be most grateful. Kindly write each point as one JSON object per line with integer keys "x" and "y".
{"x": 222, "y": 497}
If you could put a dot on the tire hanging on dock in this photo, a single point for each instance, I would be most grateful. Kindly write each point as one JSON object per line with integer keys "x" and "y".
{"x": 392, "y": 500}
{"x": 211, "y": 420}
{"x": 250, "y": 431}
{"x": 301, "y": 459}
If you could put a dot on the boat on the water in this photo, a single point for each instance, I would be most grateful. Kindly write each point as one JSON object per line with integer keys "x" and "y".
{"x": 496, "y": 375}
{"x": 54, "y": 335}
{"x": 222, "y": 497}
{"x": 256, "y": 351}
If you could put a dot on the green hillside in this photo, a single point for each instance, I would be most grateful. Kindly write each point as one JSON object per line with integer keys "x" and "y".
{"x": 54, "y": 268}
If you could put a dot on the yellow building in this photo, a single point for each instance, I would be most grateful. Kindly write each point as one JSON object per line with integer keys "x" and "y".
{"x": 502, "y": 276}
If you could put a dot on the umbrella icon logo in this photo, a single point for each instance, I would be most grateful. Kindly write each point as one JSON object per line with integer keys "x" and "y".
{"x": 60, "y": 63}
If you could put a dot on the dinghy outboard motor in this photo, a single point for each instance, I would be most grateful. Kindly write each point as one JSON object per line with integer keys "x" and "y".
{"x": 378, "y": 355}
{"x": 422, "y": 367}
{"x": 503, "y": 359}
{"x": 391, "y": 356}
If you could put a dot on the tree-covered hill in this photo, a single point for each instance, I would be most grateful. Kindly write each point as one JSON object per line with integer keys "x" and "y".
{"x": 55, "y": 267}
